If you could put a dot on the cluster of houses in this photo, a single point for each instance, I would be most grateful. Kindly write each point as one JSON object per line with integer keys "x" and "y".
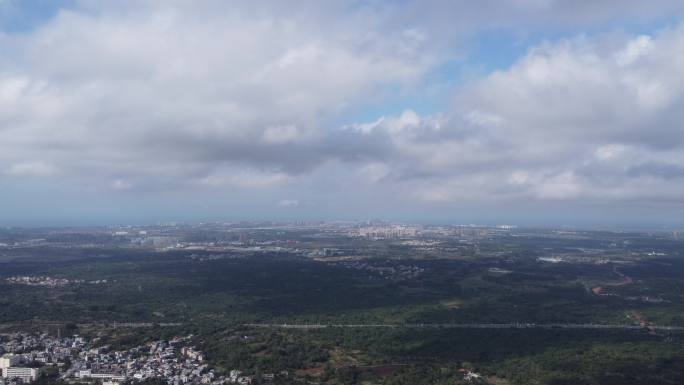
{"x": 173, "y": 361}
{"x": 46, "y": 281}
{"x": 26, "y": 357}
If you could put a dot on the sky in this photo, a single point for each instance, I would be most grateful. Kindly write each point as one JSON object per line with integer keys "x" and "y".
{"x": 533, "y": 112}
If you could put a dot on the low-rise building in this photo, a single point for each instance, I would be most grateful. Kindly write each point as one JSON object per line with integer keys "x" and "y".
{"x": 25, "y": 374}
{"x": 8, "y": 360}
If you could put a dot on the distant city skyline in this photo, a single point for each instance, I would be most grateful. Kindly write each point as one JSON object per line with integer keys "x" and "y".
{"x": 531, "y": 112}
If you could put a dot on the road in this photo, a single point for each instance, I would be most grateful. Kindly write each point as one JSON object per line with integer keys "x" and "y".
{"x": 472, "y": 326}
{"x": 56, "y": 324}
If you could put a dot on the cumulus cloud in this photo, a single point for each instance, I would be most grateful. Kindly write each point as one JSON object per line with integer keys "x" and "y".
{"x": 582, "y": 119}
{"x": 138, "y": 91}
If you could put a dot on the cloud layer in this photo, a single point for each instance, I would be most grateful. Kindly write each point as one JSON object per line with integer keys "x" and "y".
{"x": 181, "y": 96}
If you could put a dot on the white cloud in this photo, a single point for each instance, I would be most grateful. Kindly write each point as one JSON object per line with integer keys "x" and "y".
{"x": 609, "y": 151}
{"x": 244, "y": 178}
{"x": 117, "y": 92}
{"x": 121, "y": 184}
{"x": 31, "y": 169}
{"x": 637, "y": 47}
{"x": 567, "y": 122}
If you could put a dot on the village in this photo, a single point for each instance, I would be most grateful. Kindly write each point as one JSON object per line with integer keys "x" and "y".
{"x": 50, "y": 282}
{"x": 27, "y": 358}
